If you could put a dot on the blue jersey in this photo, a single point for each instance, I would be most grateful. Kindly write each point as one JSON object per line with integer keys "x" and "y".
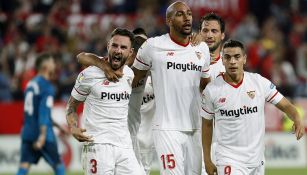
{"x": 38, "y": 103}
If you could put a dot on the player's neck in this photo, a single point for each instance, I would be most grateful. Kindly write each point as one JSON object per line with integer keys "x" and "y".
{"x": 215, "y": 56}
{"x": 234, "y": 79}
{"x": 46, "y": 75}
{"x": 179, "y": 39}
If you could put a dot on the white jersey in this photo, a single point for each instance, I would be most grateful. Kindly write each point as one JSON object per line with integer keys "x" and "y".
{"x": 176, "y": 71}
{"x": 216, "y": 68}
{"x": 238, "y": 111}
{"x": 105, "y": 105}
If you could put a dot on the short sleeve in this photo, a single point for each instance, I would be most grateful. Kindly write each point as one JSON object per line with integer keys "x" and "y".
{"x": 207, "y": 110}
{"x": 271, "y": 94}
{"x": 143, "y": 60}
{"x": 82, "y": 87}
{"x": 206, "y": 67}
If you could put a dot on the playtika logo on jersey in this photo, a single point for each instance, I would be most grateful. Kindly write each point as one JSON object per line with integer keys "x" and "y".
{"x": 238, "y": 112}
{"x": 183, "y": 67}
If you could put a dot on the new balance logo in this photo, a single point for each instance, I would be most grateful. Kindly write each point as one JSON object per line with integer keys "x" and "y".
{"x": 222, "y": 100}
{"x": 170, "y": 54}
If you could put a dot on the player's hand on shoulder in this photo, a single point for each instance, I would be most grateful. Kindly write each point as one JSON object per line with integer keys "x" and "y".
{"x": 210, "y": 168}
{"x": 78, "y": 133}
{"x": 298, "y": 128}
{"x": 111, "y": 74}
{"x": 196, "y": 39}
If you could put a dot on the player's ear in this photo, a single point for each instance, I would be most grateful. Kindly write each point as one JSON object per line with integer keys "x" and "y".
{"x": 168, "y": 21}
{"x": 244, "y": 57}
{"x": 108, "y": 46}
{"x": 223, "y": 36}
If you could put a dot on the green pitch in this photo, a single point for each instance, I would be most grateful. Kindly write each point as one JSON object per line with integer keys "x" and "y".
{"x": 286, "y": 171}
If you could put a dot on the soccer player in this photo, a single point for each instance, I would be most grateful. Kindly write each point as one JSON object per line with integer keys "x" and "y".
{"x": 236, "y": 101}
{"x": 141, "y": 104}
{"x": 108, "y": 147}
{"x": 38, "y": 138}
{"x": 178, "y": 69}
{"x": 212, "y": 29}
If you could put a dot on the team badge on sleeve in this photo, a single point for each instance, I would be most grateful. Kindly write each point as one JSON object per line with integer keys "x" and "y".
{"x": 272, "y": 86}
{"x": 80, "y": 78}
{"x": 251, "y": 94}
{"x": 198, "y": 54}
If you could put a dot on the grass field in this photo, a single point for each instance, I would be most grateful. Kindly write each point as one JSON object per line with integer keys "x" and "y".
{"x": 290, "y": 171}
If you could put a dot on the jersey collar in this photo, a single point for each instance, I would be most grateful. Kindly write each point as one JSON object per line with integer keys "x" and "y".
{"x": 174, "y": 40}
{"x": 233, "y": 85}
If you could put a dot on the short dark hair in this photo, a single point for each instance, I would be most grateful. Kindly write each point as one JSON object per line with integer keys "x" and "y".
{"x": 213, "y": 17}
{"x": 41, "y": 59}
{"x": 138, "y": 40}
{"x": 139, "y": 31}
{"x": 123, "y": 32}
{"x": 233, "y": 43}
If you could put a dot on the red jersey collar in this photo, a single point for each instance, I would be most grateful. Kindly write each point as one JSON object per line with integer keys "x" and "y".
{"x": 177, "y": 42}
{"x": 233, "y": 85}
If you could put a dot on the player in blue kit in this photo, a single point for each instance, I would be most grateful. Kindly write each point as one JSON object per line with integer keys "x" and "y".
{"x": 38, "y": 138}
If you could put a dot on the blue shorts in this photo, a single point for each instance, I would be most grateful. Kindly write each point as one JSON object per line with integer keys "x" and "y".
{"x": 49, "y": 152}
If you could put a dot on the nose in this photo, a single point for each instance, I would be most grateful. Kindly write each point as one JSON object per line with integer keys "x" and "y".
{"x": 232, "y": 60}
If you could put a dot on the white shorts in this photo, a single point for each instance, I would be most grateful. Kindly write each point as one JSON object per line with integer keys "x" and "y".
{"x": 107, "y": 159}
{"x": 180, "y": 153}
{"x": 236, "y": 169}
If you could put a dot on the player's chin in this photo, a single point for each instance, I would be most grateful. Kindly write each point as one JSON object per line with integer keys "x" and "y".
{"x": 187, "y": 32}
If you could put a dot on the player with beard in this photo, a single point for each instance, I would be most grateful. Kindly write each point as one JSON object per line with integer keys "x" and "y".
{"x": 178, "y": 69}
{"x": 107, "y": 145}
{"x": 212, "y": 29}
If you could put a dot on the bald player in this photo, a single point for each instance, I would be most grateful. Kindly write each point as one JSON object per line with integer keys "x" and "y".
{"x": 178, "y": 69}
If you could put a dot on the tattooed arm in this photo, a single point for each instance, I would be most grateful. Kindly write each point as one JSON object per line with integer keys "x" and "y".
{"x": 72, "y": 121}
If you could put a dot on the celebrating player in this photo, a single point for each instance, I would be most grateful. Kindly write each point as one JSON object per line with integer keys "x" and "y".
{"x": 236, "y": 101}
{"x": 177, "y": 68}
{"x": 108, "y": 147}
{"x": 38, "y": 139}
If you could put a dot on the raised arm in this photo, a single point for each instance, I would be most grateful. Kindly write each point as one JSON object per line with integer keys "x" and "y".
{"x": 89, "y": 59}
{"x": 72, "y": 121}
{"x": 288, "y": 108}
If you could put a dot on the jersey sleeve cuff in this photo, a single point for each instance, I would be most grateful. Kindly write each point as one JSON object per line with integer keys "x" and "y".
{"x": 206, "y": 114}
{"x": 276, "y": 98}
{"x": 78, "y": 95}
{"x": 140, "y": 64}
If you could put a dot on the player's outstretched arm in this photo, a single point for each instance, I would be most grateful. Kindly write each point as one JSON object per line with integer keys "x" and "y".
{"x": 207, "y": 127}
{"x": 288, "y": 108}
{"x": 72, "y": 121}
{"x": 89, "y": 59}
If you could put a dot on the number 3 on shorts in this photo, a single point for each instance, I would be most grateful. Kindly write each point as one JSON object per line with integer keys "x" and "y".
{"x": 93, "y": 162}
{"x": 169, "y": 162}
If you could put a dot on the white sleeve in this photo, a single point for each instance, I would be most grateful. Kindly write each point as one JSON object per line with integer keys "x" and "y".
{"x": 207, "y": 110}
{"x": 271, "y": 94}
{"x": 143, "y": 58}
{"x": 82, "y": 87}
{"x": 206, "y": 68}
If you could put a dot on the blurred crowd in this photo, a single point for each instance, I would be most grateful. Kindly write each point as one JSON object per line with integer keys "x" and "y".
{"x": 274, "y": 31}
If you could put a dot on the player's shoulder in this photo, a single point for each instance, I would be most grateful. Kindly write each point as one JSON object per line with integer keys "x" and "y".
{"x": 128, "y": 71}
{"x": 157, "y": 40}
{"x": 253, "y": 76}
{"x": 92, "y": 72}
{"x": 216, "y": 84}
